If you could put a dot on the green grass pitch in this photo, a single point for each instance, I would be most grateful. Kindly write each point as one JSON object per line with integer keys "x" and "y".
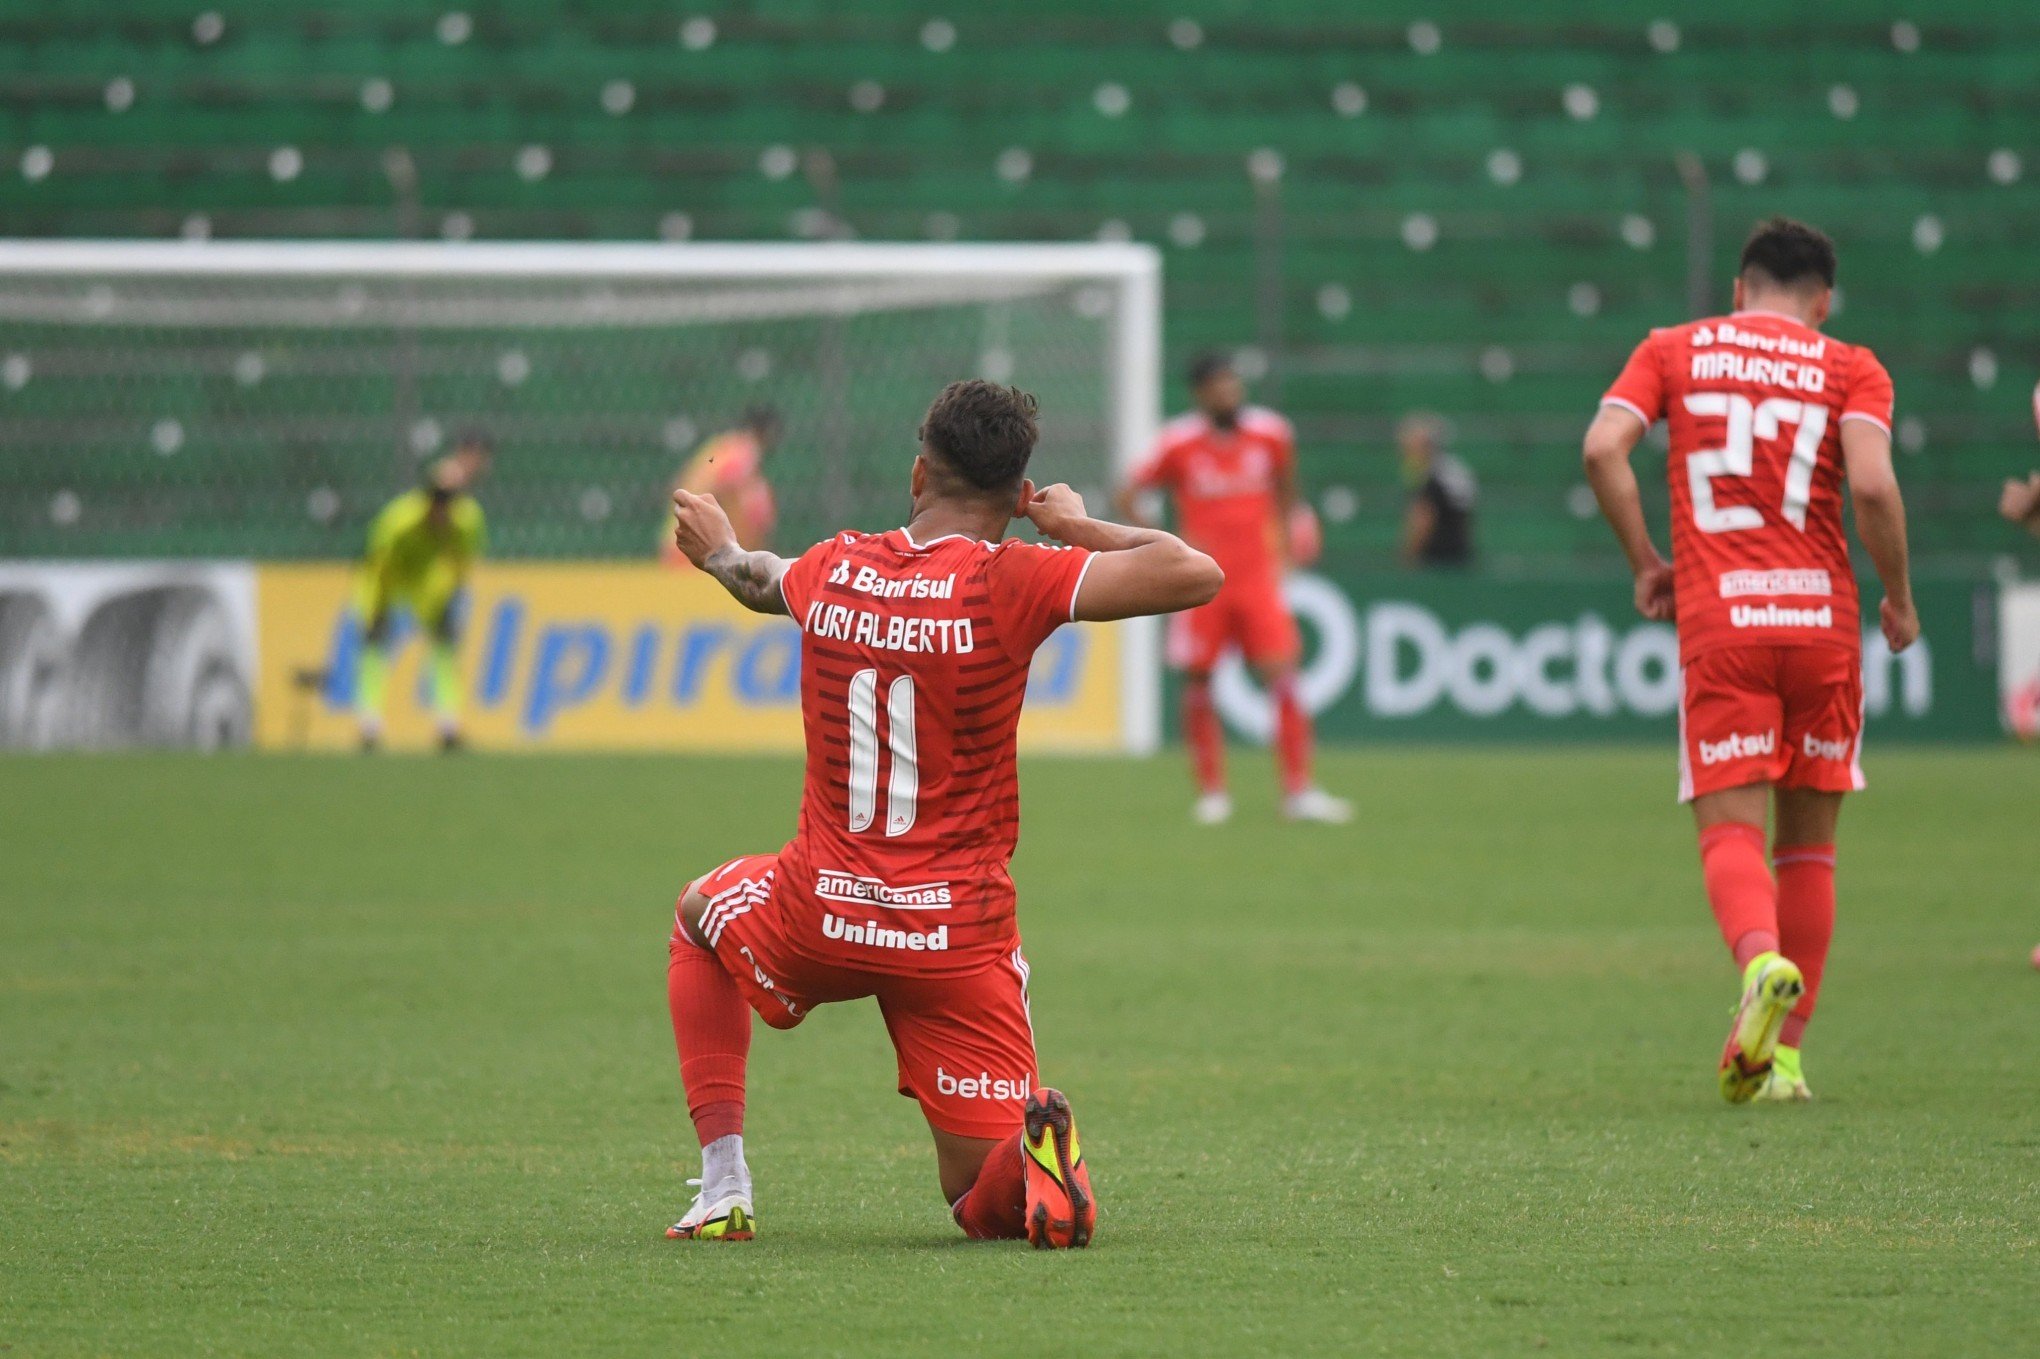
{"x": 371, "y": 1057}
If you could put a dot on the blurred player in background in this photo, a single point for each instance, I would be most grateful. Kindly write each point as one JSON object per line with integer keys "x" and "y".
{"x": 731, "y": 467}
{"x": 2019, "y": 503}
{"x": 1230, "y": 469}
{"x": 1768, "y": 419}
{"x": 915, "y": 650}
{"x": 421, "y": 548}
{"x": 1438, "y": 526}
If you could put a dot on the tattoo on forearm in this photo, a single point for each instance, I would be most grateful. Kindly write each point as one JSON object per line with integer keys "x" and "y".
{"x": 752, "y": 578}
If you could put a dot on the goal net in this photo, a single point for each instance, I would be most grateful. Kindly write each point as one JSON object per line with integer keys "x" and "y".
{"x": 261, "y": 401}
{"x": 265, "y": 399}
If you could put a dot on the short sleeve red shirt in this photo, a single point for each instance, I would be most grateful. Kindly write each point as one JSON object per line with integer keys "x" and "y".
{"x": 1226, "y": 486}
{"x": 1754, "y": 403}
{"x": 914, "y": 662}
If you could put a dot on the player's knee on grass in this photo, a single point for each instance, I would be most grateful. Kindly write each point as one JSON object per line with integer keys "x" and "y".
{"x": 692, "y": 904}
{"x": 958, "y": 1160}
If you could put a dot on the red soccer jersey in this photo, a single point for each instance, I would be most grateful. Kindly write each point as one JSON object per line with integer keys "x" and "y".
{"x": 1226, "y": 484}
{"x": 914, "y": 661}
{"x": 1755, "y": 404}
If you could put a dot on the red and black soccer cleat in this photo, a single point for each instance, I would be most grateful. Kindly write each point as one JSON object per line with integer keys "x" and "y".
{"x": 1060, "y": 1210}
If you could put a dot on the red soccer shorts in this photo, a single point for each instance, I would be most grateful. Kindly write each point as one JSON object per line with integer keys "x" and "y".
{"x": 1249, "y": 614}
{"x": 965, "y": 1045}
{"x": 1789, "y": 716}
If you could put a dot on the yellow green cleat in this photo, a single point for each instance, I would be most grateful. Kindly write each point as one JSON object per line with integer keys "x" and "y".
{"x": 1787, "y": 1081}
{"x": 1772, "y": 985}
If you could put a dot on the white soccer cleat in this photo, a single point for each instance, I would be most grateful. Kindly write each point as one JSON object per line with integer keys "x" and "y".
{"x": 1212, "y": 809}
{"x": 1315, "y": 804}
{"x": 724, "y": 1215}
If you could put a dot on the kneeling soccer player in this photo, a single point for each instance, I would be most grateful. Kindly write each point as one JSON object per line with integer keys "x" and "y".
{"x": 915, "y": 649}
{"x": 1769, "y": 419}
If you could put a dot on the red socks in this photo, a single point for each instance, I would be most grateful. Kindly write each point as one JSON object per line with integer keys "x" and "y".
{"x": 1206, "y": 738}
{"x": 1204, "y": 735}
{"x": 1806, "y": 921}
{"x": 1795, "y": 915}
{"x": 712, "y": 1028}
{"x": 1739, "y": 888}
{"x": 995, "y": 1208}
{"x": 1292, "y": 737}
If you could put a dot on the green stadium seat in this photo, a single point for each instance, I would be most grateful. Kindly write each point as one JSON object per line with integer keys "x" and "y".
{"x": 1488, "y": 237}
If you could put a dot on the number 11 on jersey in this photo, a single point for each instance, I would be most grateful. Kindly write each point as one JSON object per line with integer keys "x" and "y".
{"x": 903, "y": 789}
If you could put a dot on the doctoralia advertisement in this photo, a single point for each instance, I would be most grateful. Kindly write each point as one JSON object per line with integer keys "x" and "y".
{"x": 1463, "y": 657}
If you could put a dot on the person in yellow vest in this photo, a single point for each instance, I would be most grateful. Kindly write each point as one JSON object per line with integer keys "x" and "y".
{"x": 731, "y": 467}
{"x": 421, "y": 549}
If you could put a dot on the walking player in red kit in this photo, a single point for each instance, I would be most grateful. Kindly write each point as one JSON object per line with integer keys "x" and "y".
{"x": 1230, "y": 468}
{"x": 1768, "y": 419}
{"x": 915, "y": 647}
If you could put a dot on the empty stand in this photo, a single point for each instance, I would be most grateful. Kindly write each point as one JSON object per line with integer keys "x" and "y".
{"x": 1476, "y": 211}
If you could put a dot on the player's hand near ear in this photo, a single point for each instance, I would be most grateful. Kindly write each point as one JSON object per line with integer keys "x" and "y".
{"x": 1138, "y": 571}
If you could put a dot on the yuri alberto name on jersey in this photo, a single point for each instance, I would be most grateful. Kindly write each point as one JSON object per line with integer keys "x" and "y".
{"x": 890, "y": 632}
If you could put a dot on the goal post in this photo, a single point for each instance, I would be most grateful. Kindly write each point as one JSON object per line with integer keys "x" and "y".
{"x": 258, "y": 399}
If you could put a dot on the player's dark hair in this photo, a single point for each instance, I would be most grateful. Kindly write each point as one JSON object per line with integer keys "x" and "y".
{"x": 983, "y": 432}
{"x": 761, "y": 419}
{"x": 474, "y": 438}
{"x": 1207, "y": 366}
{"x": 1789, "y": 254}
